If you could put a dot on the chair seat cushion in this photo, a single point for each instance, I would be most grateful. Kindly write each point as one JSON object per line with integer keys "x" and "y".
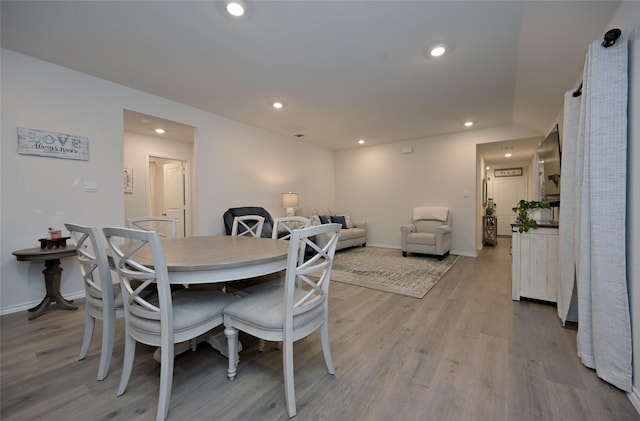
{"x": 94, "y": 298}
{"x": 191, "y": 308}
{"x": 264, "y": 309}
{"x": 424, "y": 238}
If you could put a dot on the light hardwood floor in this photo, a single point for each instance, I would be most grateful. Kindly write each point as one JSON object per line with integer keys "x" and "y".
{"x": 465, "y": 351}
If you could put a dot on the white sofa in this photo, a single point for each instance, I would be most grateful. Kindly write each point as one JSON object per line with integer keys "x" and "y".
{"x": 349, "y": 237}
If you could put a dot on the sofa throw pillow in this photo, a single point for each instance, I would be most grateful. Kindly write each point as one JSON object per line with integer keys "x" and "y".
{"x": 339, "y": 219}
{"x": 315, "y": 220}
{"x": 324, "y": 219}
{"x": 347, "y": 219}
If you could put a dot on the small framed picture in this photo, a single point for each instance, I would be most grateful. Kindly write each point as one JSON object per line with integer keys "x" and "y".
{"x": 508, "y": 172}
{"x": 484, "y": 192}
{"x": 128, "y": 180}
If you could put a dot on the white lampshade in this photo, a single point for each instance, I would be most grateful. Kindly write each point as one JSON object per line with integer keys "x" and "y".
{"x": 289, "y": 200}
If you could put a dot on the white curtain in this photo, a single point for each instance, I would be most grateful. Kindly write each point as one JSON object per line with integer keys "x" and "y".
{"x": 593, "y": 214}
{"x": 568, "y": 207}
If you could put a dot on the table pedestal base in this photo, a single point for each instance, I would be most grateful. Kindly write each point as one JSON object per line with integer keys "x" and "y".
{"x": 52, "y": 274}
{"x": 217, "y": 341}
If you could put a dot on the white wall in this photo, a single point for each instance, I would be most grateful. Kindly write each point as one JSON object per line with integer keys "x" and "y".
{"x": 381, "y": 185}
{"x": 38, "y": 192}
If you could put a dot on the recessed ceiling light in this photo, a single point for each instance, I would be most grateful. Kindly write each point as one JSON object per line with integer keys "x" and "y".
{"x": 278, "y": 105}
{"x": 145, "y": 120}
{"x": 438, "y": 50}
{"x": 160, "y": 131}
{"x": 468, "y": 123}
{"x": 361, "y": 141}
{"x": 507, "y": 155}
{"x": 235, "y": 8}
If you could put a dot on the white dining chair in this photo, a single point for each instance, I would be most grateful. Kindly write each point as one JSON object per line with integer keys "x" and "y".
{"x": 293, "y": 311}
{"x": 165, "y": 225}
{"x": 164, "y": 320}
{"x": 283, "y": 227}
{"x": 103, "y": 299}
{"x": 247, "y": 225}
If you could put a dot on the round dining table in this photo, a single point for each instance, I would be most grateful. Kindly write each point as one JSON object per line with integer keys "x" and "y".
{"x": 220, "y": 258}
{"x": 215, "y": 259}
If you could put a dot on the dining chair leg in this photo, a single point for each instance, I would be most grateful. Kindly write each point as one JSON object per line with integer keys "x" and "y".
{"x": 166, "y": 379}
{"x": 89, "y": 323}
{"x": 326, "y": 347}
{"x": 108, "y": 334}
{"x": 289, "y": 387}
{"x": 232, "y": 343}
{"x": 127, "y": 364}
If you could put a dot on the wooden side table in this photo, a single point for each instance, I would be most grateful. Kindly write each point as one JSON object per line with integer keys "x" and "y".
{"x": 52, "y": 274}
{"x": 490, "y": 230}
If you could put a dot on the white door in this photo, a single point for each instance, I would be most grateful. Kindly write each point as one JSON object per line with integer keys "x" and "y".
{"x": 174, "y": 194}
{"x": 507, "y": 192}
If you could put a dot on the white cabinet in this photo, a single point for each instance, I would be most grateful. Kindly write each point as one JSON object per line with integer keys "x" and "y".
{"x": 534, "y": 270}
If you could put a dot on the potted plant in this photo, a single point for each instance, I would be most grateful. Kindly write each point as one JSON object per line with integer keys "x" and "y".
{"x": 524, "y": 210}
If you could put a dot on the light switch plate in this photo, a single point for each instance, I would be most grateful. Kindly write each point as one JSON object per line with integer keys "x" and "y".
{"x": 91, "y": 186}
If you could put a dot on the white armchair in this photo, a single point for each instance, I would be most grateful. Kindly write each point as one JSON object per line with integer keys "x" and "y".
{"x": 430, "y": 232}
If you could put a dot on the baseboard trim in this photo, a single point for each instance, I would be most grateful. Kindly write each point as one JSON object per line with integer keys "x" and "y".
{"x": 634, "y": 397}
{"x": 26, "y": 306}
{"x": 458, "y": 253}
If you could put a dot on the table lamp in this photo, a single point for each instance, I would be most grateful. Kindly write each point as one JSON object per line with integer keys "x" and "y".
{"x": 290, "y": 202}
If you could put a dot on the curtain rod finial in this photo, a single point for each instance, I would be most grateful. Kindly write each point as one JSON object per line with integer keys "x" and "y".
{"x": 611, "y": 37}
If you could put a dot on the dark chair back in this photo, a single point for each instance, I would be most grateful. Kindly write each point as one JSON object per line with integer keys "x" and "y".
{"x": 231, "y": 213}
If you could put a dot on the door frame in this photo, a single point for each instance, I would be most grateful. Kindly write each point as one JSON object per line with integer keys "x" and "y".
{"x": 187, "y": 187}
{"x": 499, "y": 180}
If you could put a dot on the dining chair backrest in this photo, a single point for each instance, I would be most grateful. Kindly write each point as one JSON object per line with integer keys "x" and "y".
{"x": 247, "y": 225}
{"x": 102, "y": 299}
{"x": 312, "y": 273}
{"x": 291, "y": 311}
{"x": 139, "y": 282}
{"x": 165, "y": 225}
{"x": 283, "y": 228}
{"x": 150, "y": 318}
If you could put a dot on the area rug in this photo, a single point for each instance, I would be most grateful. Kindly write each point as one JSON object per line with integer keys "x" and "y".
{"x": 387, "y": 270}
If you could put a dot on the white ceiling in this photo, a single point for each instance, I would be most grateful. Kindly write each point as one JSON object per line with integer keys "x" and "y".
{"x": 344, "y": 69}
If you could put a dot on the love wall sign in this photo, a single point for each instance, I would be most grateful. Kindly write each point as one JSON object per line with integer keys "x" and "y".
{"x": 53, "y": 145}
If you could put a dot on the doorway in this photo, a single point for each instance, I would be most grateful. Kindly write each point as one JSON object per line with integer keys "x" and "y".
{"x": 507, "y": 192}
{"x": 160, "y": 160}
{"x": 168, "y": 181}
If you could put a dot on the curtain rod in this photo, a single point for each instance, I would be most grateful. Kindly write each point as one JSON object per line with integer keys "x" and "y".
{"x": 610, "y": 39}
